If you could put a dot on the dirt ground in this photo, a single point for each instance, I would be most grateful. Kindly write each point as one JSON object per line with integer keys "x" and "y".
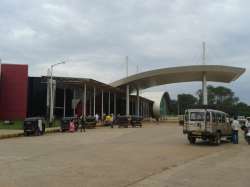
{"x": 155, "y": 155}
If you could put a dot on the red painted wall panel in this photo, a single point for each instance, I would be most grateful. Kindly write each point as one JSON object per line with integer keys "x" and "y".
{"x": 13, "y": 91}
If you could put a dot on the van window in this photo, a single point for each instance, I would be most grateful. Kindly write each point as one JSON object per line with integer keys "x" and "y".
{"x": 197, "y": 116}
{"x": 214, "y": 117}
{"x": 219, "y": 117}
{"x": 208, "y": 116}
{"x": 223, "y": 118}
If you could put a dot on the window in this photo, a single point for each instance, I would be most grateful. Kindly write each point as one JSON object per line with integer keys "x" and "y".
{"x": 197, "y": 116}
{"x": 208, "y": 116}
{"x": 219, "y": 117}
{"x": 223, "y": 118}
{"x": 214, "y": 117}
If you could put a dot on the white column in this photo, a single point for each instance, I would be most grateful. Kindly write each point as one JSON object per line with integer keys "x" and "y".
{"x": 204, "y": 89}
{"x": 85, "y": 100}
{"x": 90, "y": 104}
{"x": 74, "y": 103}
{"x": 102, "y": 104}
{"x": 127, "y": 101}
{"x": 109, "y": 102}
{"x": 137, "y": 102}
{"x": 94, "y": 99}
{"x": 64, "y": 102}
{"x": 82, "y": 99}
{"x": 143, "y": 109}
{"x": 114, "y": 104}
{"x": 51, "y": 98}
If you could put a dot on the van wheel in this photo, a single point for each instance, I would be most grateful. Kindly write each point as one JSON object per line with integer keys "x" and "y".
{"x": 192, "y": 140}
{"x": 217, "y": 139}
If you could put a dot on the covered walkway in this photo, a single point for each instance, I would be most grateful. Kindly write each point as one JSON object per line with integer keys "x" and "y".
{"x": 202, "y": 73}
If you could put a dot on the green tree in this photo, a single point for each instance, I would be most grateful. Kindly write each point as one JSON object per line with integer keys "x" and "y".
{"x": 219, "y": 96}
{"x": 186, "y": 101}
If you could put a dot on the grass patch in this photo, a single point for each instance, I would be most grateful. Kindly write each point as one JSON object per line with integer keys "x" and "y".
{"x": 13, "y": 126}
{"x": 18, "y": 125}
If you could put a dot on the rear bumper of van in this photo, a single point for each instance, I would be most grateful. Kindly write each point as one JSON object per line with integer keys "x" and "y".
{"x": 199, "y": 134}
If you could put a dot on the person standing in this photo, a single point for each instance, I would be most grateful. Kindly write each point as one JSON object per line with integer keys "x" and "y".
{"x": 97, "y": 118}
{"x": 72, "y": 126}
{"x": 235, "y": 129}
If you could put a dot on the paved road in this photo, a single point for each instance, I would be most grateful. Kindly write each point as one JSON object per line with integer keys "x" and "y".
{"x": 148, "y": 156}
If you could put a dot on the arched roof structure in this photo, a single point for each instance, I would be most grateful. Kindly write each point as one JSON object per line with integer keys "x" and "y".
{"x": 214, "y": 73}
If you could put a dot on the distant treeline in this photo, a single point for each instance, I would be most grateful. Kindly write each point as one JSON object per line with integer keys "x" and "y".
{"x": 220, "y": 98}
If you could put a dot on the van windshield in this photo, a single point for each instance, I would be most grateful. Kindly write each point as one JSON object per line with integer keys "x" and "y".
{"x": 197, "y": 116}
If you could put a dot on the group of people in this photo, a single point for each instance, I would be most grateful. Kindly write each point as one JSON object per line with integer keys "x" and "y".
{"x": 107, "y": 119}
{"x": 235, "y": 129}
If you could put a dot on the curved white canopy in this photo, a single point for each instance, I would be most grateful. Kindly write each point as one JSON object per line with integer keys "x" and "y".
{"x": 215, "y": 73}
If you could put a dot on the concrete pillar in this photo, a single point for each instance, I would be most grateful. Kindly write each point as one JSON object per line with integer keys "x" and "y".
{"x": 127, "y": 101}
{"x": 143, "y": 109}
{"x": 85, "y": 99}
{"x": 114, "y": 104}
{"x": 109, "y": 103}
{"x": 94, "y": 100}
{"x": 52, "y": 98}
{"x": 204, "y": 89}
{"x": 137, "y": 102}
{"x": 64, "y": 102}
{"x": 102, "y": 105}
{"x": 74, "y": 104}
{"x": 82, "y": 99}
{"x": 90, "y": 104}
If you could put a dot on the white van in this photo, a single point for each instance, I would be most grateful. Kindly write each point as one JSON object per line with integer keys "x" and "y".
{"x": 206, "y": 124}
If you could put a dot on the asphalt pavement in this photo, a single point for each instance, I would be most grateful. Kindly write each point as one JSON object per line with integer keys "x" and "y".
{"x": 155, "y": 155}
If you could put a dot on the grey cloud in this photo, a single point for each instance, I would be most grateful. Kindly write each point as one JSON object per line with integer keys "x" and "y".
{"x": 95, "y": 36}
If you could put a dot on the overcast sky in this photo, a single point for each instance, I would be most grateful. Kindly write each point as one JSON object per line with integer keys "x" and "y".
{"x": 95, "y": 36}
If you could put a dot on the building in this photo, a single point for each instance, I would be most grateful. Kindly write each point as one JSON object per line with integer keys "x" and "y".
{"x": 22, "y": 96}
{"x": 80, "y": 96}
{"x": 160, "y": 109}
{"x": 13, "y": 91}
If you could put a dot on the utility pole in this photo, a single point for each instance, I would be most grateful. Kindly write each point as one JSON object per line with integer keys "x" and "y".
{"x": 51, "y": 116}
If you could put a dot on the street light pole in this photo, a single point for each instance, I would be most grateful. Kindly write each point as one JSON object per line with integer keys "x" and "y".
{"x": 51, "y": 91}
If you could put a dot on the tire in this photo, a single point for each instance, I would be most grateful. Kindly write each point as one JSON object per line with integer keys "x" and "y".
{"x": 218, "y": 138}
{"x": 192, "y": 140}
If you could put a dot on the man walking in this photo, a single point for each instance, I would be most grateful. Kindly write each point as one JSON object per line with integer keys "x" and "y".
{"x": 235, "y": 129}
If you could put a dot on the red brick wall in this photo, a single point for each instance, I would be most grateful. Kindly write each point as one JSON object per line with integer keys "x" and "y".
{"x": 13, "y": 91}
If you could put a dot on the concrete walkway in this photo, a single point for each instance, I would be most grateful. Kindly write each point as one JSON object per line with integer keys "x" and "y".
{"x": 155, "y": 155}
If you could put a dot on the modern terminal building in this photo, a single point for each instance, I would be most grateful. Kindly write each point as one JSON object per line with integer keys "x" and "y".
{"x": 22, "y": 96}
{"x": 80, "y": 96}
